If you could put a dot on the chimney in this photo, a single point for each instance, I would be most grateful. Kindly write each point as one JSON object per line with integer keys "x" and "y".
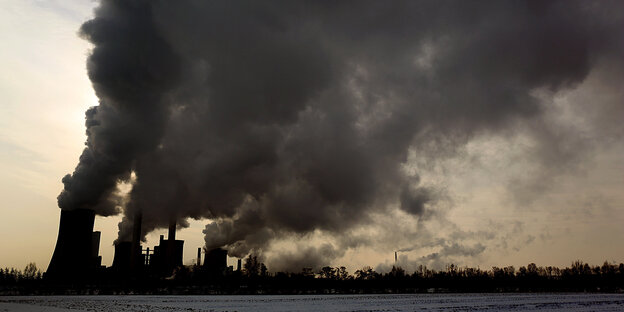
{"x": 199, "y": 256}
{"x": 238, "y": 268}
{"x": 395, "y": 257}
{"x": 172, "y": 230}
{"x": 173, "y": 252}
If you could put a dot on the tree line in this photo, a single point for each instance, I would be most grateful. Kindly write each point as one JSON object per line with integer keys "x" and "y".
{"x": 255, "y": 278}
{"x": 12, "y": 276}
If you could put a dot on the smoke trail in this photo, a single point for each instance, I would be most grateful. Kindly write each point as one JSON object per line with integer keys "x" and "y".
{"x": 284, "y": 118}
{"x": 131, "y": 67}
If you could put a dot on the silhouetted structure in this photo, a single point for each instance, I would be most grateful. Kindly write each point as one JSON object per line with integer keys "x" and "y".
{"x": 216, "y": 261}
{"x": 162, "y": 260}
{"x": 95, "y": 249}
{"x": 121, "y": 261}
{"x": 77, "y": 246}
{"x": 136, "y": 259}
{"x": 580, "y": 277}
{"x": 167, "y": 255}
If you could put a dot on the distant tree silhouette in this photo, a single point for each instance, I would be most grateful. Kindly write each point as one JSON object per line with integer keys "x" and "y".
{"x": 341, "y": 273}
{"x": 31, "y": 272}
{"x": 255, "y": 278}
{"x": 327, "y": 272}
{"x": 397, "y": 272}
{"x": 366, "y": 273}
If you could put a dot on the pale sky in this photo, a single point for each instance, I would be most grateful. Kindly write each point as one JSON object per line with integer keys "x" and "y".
{"x": 499, "y": 206}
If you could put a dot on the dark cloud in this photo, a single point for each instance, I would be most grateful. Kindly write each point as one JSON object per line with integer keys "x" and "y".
{"x": 310, "y": 256}
{"x": 288, "y": 117}
{"x": 131, "y": 68}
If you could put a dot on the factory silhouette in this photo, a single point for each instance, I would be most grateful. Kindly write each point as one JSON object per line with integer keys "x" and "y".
{"x": 76, "y": 255}
{"x": 75, "y": 268}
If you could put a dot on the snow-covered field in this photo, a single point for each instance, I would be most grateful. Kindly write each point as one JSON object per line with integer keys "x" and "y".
{"x": 415, "y": 302}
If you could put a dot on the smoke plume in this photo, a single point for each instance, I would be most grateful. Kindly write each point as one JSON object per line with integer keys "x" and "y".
{"x": 282, "y": 118}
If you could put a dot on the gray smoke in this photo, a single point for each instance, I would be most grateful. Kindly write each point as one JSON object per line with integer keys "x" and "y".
{"x": 131, "y": 67}
{"x": 282, "y": 118}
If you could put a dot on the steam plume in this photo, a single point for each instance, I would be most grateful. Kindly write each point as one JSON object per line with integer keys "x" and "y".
{"x": 282, "y": 118}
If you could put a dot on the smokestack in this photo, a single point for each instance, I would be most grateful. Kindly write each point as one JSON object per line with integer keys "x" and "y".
{"x": 199, "y": 256}
{"x": 174, "y": 249}
{"x": 238, "y": 268}
{"x": 172, "y": 230}
{"x": 135, "y": 254}
{"x": 395, "y": 257}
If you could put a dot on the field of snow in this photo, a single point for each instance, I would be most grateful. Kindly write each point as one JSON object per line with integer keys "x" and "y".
{"x": 410, "y": 302}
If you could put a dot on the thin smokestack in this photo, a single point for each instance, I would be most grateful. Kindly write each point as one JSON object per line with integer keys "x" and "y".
{"x": 171, "y": 245}
{"x": 199, "y": 256}
{"x": 395, "y": 257}
{"x": 172, "y": 230}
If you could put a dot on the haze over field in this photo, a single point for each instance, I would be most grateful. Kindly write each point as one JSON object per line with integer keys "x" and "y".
{"x": 318, "y": 133}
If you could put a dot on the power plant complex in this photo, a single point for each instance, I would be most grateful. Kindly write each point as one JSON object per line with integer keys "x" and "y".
{"x": 76, "y": 254}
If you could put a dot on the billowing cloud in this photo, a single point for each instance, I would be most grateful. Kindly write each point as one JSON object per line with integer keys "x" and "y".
{"x": 283, "y": 118}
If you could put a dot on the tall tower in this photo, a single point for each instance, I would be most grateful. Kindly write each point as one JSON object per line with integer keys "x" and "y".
{"x": 74, "y": 255}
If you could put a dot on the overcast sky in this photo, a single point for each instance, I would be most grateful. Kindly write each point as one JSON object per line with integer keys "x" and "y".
{"x": 444, "y": 133}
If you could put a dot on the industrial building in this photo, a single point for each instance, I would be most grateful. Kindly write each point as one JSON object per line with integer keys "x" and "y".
{"x": 162, "y": 259}
{"x": 77, "y": 247}
{"x": 77, "y": 251}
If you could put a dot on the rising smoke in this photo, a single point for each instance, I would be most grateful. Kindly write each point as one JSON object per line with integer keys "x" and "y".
{"x": 281, "y": 118}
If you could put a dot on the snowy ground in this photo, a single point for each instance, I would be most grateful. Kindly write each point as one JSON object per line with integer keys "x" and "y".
{"x": 416, "y": 302}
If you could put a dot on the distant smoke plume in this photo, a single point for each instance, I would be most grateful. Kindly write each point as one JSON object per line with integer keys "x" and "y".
{"x": 283, "y": 118}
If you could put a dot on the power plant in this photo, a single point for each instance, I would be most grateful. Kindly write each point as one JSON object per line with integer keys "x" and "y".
{"x": 163, "y": 258}
{"x": 77, "y": 246}
{"x": 76, "y": 254}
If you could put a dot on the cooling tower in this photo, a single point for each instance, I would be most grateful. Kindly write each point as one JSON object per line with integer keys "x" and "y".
{"x": 73, "y": 254}
{"x": 123, "y": 251}
{"x": 95, "y": 249}
{"x": 216, "y": 260}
